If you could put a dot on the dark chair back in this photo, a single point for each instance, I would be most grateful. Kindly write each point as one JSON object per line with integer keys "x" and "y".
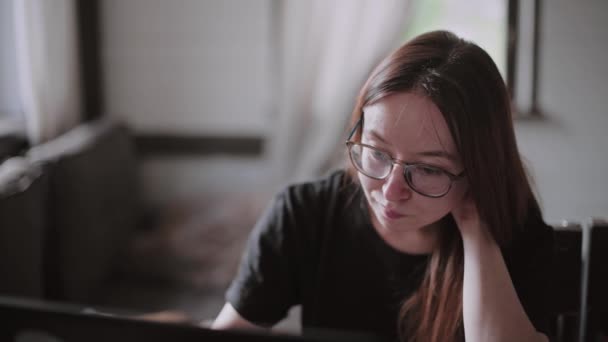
{"x": 566, "y": 284}
{"x": 597, "y": 281}
{"x": 580, "y": 282}
{"x": 23, "y": 200}
{"x": 93, "y": 207}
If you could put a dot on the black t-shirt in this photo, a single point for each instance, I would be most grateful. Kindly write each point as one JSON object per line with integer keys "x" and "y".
{"x": 315, "y": 246}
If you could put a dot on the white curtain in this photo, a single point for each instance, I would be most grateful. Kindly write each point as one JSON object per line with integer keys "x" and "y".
{"x": 47, "y": 66}
{"x": 326, "y": 50}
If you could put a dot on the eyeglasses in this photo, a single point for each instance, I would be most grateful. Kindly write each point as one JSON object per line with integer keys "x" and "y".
{"x": 427, "y": 180}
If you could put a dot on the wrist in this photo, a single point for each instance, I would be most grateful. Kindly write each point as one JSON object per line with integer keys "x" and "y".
{"x": 476, "y": 235}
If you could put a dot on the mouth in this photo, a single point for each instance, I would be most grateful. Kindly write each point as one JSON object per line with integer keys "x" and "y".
{"x": 391, "y": 214}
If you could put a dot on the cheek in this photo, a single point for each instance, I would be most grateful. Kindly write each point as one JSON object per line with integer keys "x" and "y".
{"x": 369, "y": 184}
{"x": 453, "y": 199}
{"x": 436, "y": 208}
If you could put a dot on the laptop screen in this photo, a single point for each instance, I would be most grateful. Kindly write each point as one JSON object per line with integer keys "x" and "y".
{"x": 26, "y": 320}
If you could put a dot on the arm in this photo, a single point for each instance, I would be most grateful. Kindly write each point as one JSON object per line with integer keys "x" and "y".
{"x": 266, "y": 283}
{"x": 492, "y": 310}
{"x": 229, "y": 318}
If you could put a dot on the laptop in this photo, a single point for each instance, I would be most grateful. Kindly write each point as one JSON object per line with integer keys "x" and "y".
{"x": 29, "y": 320}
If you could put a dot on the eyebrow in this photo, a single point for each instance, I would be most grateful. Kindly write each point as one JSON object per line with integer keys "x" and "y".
{"x": 441, "y": 154}
{"x": 437, "y": 153}
{"x": 377, "y": 136}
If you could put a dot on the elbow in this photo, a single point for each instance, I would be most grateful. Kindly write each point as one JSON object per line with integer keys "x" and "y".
{"x": 532, "y": 336}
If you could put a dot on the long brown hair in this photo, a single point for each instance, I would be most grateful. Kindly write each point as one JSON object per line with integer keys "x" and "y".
{"x": 464, "y": 83}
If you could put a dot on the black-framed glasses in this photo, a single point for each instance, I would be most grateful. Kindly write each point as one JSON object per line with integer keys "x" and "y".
{"x": 427, "y": 180}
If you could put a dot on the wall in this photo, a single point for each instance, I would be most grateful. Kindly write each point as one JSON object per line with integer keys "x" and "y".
{"x": 187, "y": 66}
{"x": 567, "y": 150}
{"x": 193, "y": 68}
{"x": 10, "y": 104}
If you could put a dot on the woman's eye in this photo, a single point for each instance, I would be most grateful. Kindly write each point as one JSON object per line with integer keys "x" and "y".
{"x": 378, "y": 155}
{"x": 431, "y": 171}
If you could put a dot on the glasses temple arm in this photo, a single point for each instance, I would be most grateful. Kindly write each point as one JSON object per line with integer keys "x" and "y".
{"x": 352, "y": 132}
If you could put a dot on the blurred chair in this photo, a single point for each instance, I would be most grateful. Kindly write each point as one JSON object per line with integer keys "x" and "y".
{"x": 92, "y": 207}
{"x": 23, "y": 200}
{"x": 580, "y": 282}
{"x": 596, "y": 311}
{"x": 566, "y": 289}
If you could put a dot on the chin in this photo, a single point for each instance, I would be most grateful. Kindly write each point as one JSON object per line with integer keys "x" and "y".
{"x": 402, "y": 224}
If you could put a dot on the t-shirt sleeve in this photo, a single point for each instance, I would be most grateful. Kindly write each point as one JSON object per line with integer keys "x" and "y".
{"x": 266, "y": 285}
{"x": 532, "y": 272}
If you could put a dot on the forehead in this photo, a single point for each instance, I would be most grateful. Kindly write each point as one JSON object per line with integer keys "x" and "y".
{"x": 409, "y": 123}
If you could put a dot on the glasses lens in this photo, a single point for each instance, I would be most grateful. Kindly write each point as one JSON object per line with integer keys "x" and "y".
{"x": 424, "y": 179}
{"x": 428, "y": 180}
{"x": 369, "y": 161}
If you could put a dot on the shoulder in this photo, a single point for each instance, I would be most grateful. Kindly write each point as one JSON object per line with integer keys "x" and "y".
{"x": 530, "y": 259}
{"x": 332, "y": 182}
{"x": 333, "y": 188}
{"x": 535, "y": 234}
{"x": 302, "y": 206}
{"x": 531, "y": 249}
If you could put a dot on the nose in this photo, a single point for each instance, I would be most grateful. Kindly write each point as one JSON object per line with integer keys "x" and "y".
{"x": 395, "y": 188}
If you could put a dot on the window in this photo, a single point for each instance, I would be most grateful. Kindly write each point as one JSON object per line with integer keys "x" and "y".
{"x": 507, "y": 29}
{"x": 481, "y": 21}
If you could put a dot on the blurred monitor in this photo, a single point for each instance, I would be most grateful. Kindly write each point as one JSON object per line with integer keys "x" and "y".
{"x": 27, "y": 320}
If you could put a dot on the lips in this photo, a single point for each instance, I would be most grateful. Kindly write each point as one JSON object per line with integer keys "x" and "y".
{"x": 391, "y": 214}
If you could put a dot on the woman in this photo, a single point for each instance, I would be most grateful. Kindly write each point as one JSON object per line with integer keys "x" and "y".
{"x": 431, "y": 234}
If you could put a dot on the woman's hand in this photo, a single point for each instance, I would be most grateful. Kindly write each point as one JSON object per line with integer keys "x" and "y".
{"x": 167, "y": 316}
{"x": 491, "y": 308}
{"x": 467, "y": 218}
